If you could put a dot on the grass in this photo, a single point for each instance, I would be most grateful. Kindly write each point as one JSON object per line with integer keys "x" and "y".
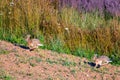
{"x": 86, "y": 34}
{"x": 84, "y": 53}
{"x": 2, "y": 51}
{"x": 63, "y": 62}
{"x": 5, "y": 76}
{"x": 32, "y": 59}
{"x": 38, "y": 60}
{"x": 73, "y": 71}
{"x": 32, "y": 64}
{"x": 66, "y": 62}
{"x": 51, "y": 61}
{"x": 73, "y": 17}
{"x": 49, "y": 78}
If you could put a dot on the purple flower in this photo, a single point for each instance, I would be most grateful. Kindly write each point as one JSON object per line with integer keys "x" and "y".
{"x": 111, "y": 6}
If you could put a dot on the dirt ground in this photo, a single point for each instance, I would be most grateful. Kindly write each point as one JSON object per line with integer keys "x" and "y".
{"x": 18, "y": 63}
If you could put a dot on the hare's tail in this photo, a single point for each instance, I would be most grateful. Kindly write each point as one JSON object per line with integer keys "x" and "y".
{"x": 109, "y": 61}
{"x": 40, "y": 44}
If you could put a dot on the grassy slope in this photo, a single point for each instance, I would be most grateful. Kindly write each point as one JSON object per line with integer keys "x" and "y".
{"x": 87, "y": 33}
{"x": 17, "y": 63}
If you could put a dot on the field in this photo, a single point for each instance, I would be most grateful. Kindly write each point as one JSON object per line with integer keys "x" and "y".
{"x": 17, "y": 63}
{"x": 78, "y": 28}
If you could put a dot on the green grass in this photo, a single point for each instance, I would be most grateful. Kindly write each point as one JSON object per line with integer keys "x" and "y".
{"x": 73, "y": 71}
{"x": 2, "y": 51}
{"x": 5, "y": 76}
{"x": 68, "y": 63}
{"x": 84, "y": 53}
{"x": 37, "y": 59}
{"x": 57, "y": 45}
{"x": 32, "y": 64}
{"x": 51, "y": 61}
{"x": 88, "y": 20}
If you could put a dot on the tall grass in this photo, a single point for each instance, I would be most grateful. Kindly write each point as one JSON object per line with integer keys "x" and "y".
{"x": 25, "y": 16}
{"x": 83, "y": 20}
{"x": 69, "y": 31}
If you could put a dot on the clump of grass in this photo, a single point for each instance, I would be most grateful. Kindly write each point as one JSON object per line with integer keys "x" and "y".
{"x": 66, "y": 62}
{"x": 4, "y": 51}
{"x": 5, "y": 76}
{"x": 57, "y": 45}
{"x": 49, "y": 78}
{"x": 73, "y": 71}
{"x": 33, "y": 60}
{"x": 32, "y": 64}
{"x": 23, "y": 60}
{"x": 51, "y": 61}
{"x": 37, "y": 59}
{"x": 84, "y": 53}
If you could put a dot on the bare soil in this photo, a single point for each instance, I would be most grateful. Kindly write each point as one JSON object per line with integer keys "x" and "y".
{"x": 21, "y": 64}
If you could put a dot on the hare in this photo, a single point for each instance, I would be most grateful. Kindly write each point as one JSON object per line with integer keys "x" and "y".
{"x": 102, "y": 60}
{"x": 32, "y": 43}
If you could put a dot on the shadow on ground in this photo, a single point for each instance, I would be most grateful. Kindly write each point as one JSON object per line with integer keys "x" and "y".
{"x": 21, "y": 46}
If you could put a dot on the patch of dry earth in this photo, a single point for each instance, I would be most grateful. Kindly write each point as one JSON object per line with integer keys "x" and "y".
{"x": 23, "y": 64}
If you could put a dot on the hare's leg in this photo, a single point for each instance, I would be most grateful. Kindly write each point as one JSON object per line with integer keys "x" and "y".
{"x": 104, "y": 63}
{"x": 32, "y": 49}
{"x": 96, "y": 65}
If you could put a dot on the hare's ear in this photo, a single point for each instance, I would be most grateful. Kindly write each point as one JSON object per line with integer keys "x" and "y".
{"x": 95, "y": 56}
{"x": 27, "y": 37}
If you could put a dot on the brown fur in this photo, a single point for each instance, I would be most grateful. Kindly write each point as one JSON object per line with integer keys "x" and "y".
{"x": 32, "y": 43}
{"x": 102, "y": 60}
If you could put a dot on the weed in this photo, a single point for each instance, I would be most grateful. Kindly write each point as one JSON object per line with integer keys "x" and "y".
{"x": 113, "y": 77}
{"x": 29, "y": 74}
{"x": 32, "y": 64}
{"x": 4, "y": 51}
{"x": 5, "y": 76}
{"x": 51, "y": 61}
{"x": 17, "y": 55}
{"x": 73, "y": 71}
{"x": 49, "y": 78}
{"x": 38, "y": 60}
{"x": 68, "y": 63}
{"x": 33, "y": 60}
{"x": 23, "y": 59}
